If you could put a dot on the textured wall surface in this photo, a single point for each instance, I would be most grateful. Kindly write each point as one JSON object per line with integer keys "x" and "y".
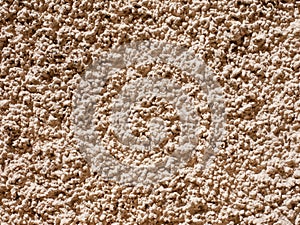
{"x": 253, "y": 49}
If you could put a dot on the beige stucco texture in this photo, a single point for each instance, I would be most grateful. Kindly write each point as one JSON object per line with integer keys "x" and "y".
{"x": 252, "y": 48}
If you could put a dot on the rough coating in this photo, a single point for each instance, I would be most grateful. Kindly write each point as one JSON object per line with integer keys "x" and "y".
{"x": 253, "y": 48}
{"x": 140, "y": 126}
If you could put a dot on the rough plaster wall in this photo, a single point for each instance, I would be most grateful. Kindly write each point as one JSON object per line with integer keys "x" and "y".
{"x": 253, "y": 47}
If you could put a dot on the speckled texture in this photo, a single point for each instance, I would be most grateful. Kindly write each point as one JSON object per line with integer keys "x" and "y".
{"x": 145, "y": 110}
{"x": 253, "y": 48}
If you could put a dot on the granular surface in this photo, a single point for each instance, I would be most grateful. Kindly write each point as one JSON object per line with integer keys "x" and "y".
{"x": 252, "y": 48}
